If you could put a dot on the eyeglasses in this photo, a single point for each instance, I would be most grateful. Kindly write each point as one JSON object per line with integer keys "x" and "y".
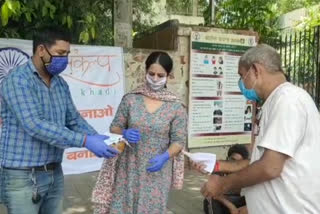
{"x": 245, "y": 77}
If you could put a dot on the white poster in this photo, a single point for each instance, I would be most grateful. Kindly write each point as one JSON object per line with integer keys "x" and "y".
{"x": 219, "y": 113}
{"x": 95, "y": 75}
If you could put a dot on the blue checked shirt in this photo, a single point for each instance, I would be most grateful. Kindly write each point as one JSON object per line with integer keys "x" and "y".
{"x": 39, "y": 122}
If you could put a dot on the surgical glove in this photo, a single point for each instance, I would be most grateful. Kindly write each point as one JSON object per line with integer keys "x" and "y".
{"x": 158, "y": 162}
{"x": 131, "y": 135}
{"x": 96, "y": 144}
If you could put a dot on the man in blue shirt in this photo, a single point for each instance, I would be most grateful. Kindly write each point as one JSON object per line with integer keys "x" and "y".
{"x": 39, "y": 122}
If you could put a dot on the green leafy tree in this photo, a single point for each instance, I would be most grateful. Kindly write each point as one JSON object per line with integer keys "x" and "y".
{"x": 185, "y": 7}
{"x": 89, "y": 21}
{"x": 257, "y": 15}
{"x": 20, "y": 17}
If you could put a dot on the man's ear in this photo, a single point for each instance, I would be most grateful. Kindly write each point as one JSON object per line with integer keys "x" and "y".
{"x": 257, "y": 69}
{"x": 41, "y": 50}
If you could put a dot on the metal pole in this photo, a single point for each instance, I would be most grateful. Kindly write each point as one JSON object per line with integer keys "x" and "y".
{"x": 313, "y": 60}
{"x": 212, "y": 11}
{"x": 113, "y": 5}
{"x": 317, "y": 38}
{"x": 290, "y": 53}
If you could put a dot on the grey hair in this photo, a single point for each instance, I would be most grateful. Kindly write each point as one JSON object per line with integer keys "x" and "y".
{"x": 264, "y": 55}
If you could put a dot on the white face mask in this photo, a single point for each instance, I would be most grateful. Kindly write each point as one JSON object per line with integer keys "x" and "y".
{"x": 156, "y": 85}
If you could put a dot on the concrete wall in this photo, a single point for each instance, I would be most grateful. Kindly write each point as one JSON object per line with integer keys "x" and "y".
{"x": 291, "y": 19}
{"x": 188, "y": 20}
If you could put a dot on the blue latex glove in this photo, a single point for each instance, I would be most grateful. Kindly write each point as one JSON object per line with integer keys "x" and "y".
{"x": 131, "y": 135}
{"x": 158, "y": 162}
{"x": 96, "y": 144}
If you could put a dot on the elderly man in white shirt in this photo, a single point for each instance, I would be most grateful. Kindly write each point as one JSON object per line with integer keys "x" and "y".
{"x": 284, "y": 171}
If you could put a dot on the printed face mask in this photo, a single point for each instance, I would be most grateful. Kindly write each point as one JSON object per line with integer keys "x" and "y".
{"x": 156, "y": 85}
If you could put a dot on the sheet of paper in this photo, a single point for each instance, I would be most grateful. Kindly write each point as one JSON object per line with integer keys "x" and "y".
{"x": 113, "y": 138}
{"x": 208, "y": 159}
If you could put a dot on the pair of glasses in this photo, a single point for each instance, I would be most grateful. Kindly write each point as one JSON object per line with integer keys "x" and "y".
{"x": 246, "y": 75}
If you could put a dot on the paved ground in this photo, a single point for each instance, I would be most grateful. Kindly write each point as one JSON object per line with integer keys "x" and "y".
{"x": 78, "y": 192}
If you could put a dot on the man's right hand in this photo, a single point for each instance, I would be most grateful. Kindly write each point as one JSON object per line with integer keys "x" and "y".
{"x": 96, "y": 144}
{"x": 198, "y": 167}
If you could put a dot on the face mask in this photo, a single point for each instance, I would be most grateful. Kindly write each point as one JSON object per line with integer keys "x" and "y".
{"x": 57, "y": 64}
{"x": 250, "y": 94}
{"x": 156, "y": 85}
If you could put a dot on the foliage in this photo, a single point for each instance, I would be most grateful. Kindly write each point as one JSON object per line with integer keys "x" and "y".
{"x": 89, "y": 21}
{"x": 140, "y": 10}
{"x": 257, "y": 15}
{"x": 184, "y": 7}
{"x": 20, "y": 17}
{"x": 285, "y": 6}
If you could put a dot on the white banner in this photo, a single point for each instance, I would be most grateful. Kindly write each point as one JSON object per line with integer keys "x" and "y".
{"x": 95, "y": 75}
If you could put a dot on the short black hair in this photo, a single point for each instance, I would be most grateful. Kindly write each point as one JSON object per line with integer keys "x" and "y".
{"x": 48, "y": 36}
{"x": 161, "y": 58}
{"x": 240, "y": 149}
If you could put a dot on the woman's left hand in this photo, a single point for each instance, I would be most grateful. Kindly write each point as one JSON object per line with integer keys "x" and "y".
{"x": 158, "y": 162}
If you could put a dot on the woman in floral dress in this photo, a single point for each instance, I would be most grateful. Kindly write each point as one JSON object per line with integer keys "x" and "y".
{"x": 154, "y": 122}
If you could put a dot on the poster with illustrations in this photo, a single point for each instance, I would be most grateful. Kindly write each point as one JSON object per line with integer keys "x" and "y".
{"x": 218, "y": 113}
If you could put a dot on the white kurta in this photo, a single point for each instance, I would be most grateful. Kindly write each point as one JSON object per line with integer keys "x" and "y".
{"x": 290, "y": 124}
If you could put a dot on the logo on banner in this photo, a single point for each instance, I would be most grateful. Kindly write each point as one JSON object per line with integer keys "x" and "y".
{"x": 93, "y": 70}
{"x": 9, "y": 59}
{"x": 196, "y": 36}
{"x": 251, "y": 41}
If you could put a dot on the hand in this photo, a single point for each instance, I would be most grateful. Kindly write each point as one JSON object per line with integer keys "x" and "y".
{"x": 243, "y": 210}
{"x": 158, "y": 162}
{"x": 198, "y": 166}
{"x": 131, "y": 135}
{"x": 96, "y": 144}
{"x": 231, "y": 207}
{"x": 214, "y": 187}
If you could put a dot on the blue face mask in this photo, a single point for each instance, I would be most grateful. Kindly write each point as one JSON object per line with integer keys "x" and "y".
{"x": 250, "y": 94}
{"x": 57, "y": 64}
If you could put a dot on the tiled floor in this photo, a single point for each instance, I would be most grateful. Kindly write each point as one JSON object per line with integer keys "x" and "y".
{"x": 78, "y": 192}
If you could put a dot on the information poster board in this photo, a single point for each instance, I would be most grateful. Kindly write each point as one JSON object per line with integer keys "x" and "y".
{"x": 218, "y": 113}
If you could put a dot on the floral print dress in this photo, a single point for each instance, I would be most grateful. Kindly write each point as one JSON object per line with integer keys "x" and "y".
{"x": 135, "y": 190}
